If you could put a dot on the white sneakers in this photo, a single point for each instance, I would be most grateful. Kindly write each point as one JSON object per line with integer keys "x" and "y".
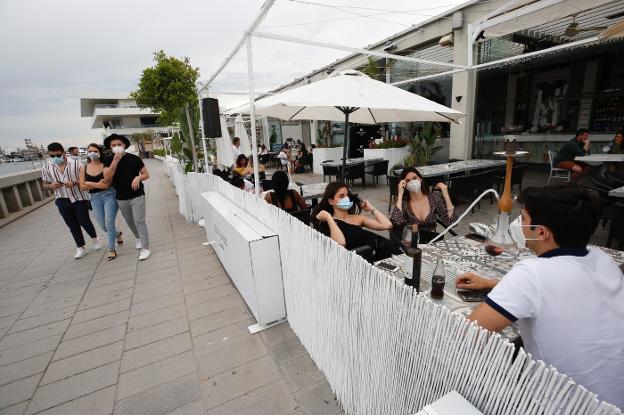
{"x": 144, "y": 254}
{"x": 137, "y": 245}
{"x": 96, "y": 244}
{"x": 80, "y": 252}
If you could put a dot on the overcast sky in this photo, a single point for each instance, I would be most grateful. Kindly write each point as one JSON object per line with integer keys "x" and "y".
{"x": 54, "y": 52}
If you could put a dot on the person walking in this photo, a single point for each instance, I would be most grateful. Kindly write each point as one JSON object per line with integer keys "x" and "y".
{"x": 127, "y": 172}
{"x": 63, "y": 175}
{"x": 103, "y": 197}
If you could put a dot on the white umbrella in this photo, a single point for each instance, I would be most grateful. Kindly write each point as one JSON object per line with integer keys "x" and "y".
{"x": 351, "y": 96}
{"x": 241, "y": 132}
{"x": 225, "y": 155}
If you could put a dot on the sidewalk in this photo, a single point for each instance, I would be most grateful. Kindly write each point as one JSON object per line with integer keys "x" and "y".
{"x": 163, "y": 336}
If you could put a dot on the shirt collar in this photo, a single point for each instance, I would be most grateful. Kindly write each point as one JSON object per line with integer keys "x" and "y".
{"x": 571, "y": 251}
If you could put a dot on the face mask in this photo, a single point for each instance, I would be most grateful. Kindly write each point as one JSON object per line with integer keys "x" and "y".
{"x": 345, "y": 203}
{"x": 413, "y": 186}
{"x": 515, "y": 229}
{"x": 93, "y": 155}
{"x": 58, "y": 160}
{"x": 118, "y": 149}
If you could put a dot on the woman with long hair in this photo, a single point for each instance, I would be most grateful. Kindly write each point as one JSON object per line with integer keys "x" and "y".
{"x": 419, "y": 207}
{"x": 339, "y": 216}
{"x": 282, "y": 197}
{"x": 103, "y": 199}
{"x": 241, "y": 164}
{"x": 617, "y": 146}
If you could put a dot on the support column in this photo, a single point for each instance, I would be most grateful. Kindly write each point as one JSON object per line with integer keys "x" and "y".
{"x": 4, "y": 210}
{"x": 38, "y": 191}
{"x": 25, "y": 194}
{"x": 12, "y": 199}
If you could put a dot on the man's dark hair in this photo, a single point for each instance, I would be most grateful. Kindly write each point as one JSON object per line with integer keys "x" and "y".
{"x": 581, "y": 131}
{"x": 72, "y": 149}
{"x": 235, "y": 140}
{"x": 56, "y": 147}
{"x": 569, "y": 211}
{"x": 237, "y": 181}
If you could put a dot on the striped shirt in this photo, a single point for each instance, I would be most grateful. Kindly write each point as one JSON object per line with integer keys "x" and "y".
{"x": 52, "y": 174}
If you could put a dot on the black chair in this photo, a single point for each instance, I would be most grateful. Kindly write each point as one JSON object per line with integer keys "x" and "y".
{"x": 485, "y": 181}
{"x": 355, "y": 172}
{"x": 377, "y": 248}
{"x": 462, "y": 188}
{"x": 329, "y": 171}
{"x": 266, "y": 185}
{"x": 378, "y": 169}
{"x": 517, "y": 174}
{"x": 616, "y": 177}
{"x": 303, "y": 215}
{"x": 605, "y": 182}
{"x": 264, "y": 159}
{"x": 616, "y": 230}
{"x": 393, "y": 184}
{"x": 606, "y": 202}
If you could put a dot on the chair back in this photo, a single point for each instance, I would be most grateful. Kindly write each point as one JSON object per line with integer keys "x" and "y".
{"x": 355, "y": 172}
{"x": 380, "y": 168}
{"x": 518, "y": 174}
{"x": 551, "y": 158}
{"x": 393, "y": 183}
{"x": 463, "y": 187}
{"x": 303, "y": 215}
{"x": 329, "y": 170}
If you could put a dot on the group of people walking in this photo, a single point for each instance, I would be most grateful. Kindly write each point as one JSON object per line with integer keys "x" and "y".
{"x": 106, "y": 184}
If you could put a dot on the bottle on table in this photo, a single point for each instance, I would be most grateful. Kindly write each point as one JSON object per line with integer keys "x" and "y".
{"x": 438, "y": 280}
{"x": 415, "y": 253}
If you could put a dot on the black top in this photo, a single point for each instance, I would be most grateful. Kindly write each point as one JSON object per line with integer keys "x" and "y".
{"x": 569, "y": 151}
{"x": 95, "y": 179}
{"x": 128, "y": 168}
{"x": 354, "y": 235}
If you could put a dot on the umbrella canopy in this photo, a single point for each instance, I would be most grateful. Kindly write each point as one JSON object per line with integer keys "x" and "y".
{"x": 241, "y": 132}
{"x": 375, "y": 102}
{"x": 225, "y": 156}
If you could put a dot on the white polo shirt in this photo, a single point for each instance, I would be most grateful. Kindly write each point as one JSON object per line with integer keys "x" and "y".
{"x": 569, "y": 306}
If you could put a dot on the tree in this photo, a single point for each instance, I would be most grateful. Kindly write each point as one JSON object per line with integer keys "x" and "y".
{"x": 169, "y": 87}
{"x": 139, "y": 140}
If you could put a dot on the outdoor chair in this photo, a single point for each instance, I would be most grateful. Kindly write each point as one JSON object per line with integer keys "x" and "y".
{"x": 329, "y": 171}
{"x": 607, "y": 203}
{"x": 303, "y": 215}
{"x": 616, "y": 230}
{"x": 556, "y": 172}
{"x": 353, "y": 173}
{"x": 517, "y": 175}
{"x": 393, "y": 185}
{"x": 463, "y": 188}
{"x": 264, "y": 159}
{"x": 485, "y": 181}
{"x": 605, "y": 183}
{"x": 378, "y": 169}
{"x": 618, "y": 178}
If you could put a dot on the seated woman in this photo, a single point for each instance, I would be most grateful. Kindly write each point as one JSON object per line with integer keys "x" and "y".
{"x": 419, "y": 207}
{"x": 263, "y": 150}
{"x": 617, "y": 147}
{"x": 282, "y": 197}
{"x": 301, "y": 158}
{"x": 249, "y": 171}
{"x": 338, "y": 216}
{"x": 283, "y": 157}
{"x": 241, "y": 164}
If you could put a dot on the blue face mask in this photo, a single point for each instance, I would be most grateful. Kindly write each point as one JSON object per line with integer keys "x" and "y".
{"x": 345, "y": 203}
{"x": 58, "y": 160}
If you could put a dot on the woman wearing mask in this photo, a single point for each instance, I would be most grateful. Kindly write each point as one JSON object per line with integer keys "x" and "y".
{"x": 102, "y": 196}
{"x": 419, "y": 207}
{"x": 338, "y": 215}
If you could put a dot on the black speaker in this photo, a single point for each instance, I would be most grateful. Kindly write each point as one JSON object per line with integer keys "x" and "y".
{"x": 210, "y": 113}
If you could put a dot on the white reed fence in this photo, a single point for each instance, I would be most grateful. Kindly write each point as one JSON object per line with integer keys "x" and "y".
{"x": 383, "y": 349}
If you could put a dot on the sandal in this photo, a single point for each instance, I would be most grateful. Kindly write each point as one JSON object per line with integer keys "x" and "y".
{"x": 111, "y": 255}
{"x": 119, "y": 238}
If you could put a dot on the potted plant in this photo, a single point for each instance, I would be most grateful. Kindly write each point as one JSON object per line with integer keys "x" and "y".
{"x": 422, "y": 146}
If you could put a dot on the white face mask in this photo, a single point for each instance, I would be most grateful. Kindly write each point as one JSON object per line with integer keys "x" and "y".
{"x": 118, "y": 149}
{"x": 413, "y": 186}
{"x": 515, "y": 230}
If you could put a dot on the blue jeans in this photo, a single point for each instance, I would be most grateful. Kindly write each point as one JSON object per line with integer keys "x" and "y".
{"x": 105, "y": 207}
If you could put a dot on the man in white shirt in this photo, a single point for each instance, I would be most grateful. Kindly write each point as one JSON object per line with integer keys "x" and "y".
{"x": 236, "y": 147}
{"x": 569, "y": 301}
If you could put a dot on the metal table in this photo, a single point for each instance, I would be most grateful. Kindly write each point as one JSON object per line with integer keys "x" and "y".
{"x": 351, "y": 162}
{"x": 619, "y": 192}
{"x": 601, "y": 158}
{"x": 456, "y": 167}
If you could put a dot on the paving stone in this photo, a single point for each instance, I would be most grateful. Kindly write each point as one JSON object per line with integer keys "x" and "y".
{"x": 157, "y": 304}
{"x": 194, "y": 408}
{"x": 219, "y": 320}
{"x": 271, "y": 399}
{"x": 236, "y": 354}
{"x": 156, "y": 351}
{"x": 14, "y": 309}
{"x": 28, "y": 350}
{"x": 97, "y": 403}
{"x": 287, "y": 350}
{"x": 205, "y": 284}
{"x": 161, "y": 399}
{"x": 27, "y": 336}
{"x": 15, "y": 409}
{"x": 151, "y": 294}
{"x": 56, "y": 393}
{"x": 221, "y": 338}
{"x": 226, "y": 386}
{"x": 155, "y": 374}
{"x": 89, "y": 342}
{"x": 24, "y": 368}
{"x": 318, "y": 399}
{"x": 7, "y": 321}
{"x": 104, "y": 299}
{"x": 110, "y": 288}
{"x": 156, "y": 332}
{"x": 82, "y": 362}
{"x": 49, "y": 296}
{"x": 301, "y": 373}
{"x": 20, "y": 299}
{"x": 42, "y": 319}
{"x": 101, "y": 323}
{"x": 156, "y": 317}
{"x": 100, "y": 311}
{"x": 34, "y": 310}
{"x": 215, "y": 306}
{"x": 111, "y": 279}
{"x": 18, "y": 391}
{"x": 208, "y": 295}
{"x": 277, "y": 334}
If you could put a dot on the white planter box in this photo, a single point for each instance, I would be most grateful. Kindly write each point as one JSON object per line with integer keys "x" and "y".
{"x": 393, "y": 155}
{"x": 319, "y": 155}
{"x": 250, "y": 253}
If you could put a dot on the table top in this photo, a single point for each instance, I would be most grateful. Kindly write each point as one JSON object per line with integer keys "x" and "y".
{"x": 465, "y": 255}
{"x": 456, "y": 167}
{"x": 350, "y": 162}
{"x": 602, "y": 158}
{"x": 619, "y": 192}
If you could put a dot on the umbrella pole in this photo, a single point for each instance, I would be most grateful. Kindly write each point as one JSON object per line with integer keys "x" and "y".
{"x": 345, "y": 142}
